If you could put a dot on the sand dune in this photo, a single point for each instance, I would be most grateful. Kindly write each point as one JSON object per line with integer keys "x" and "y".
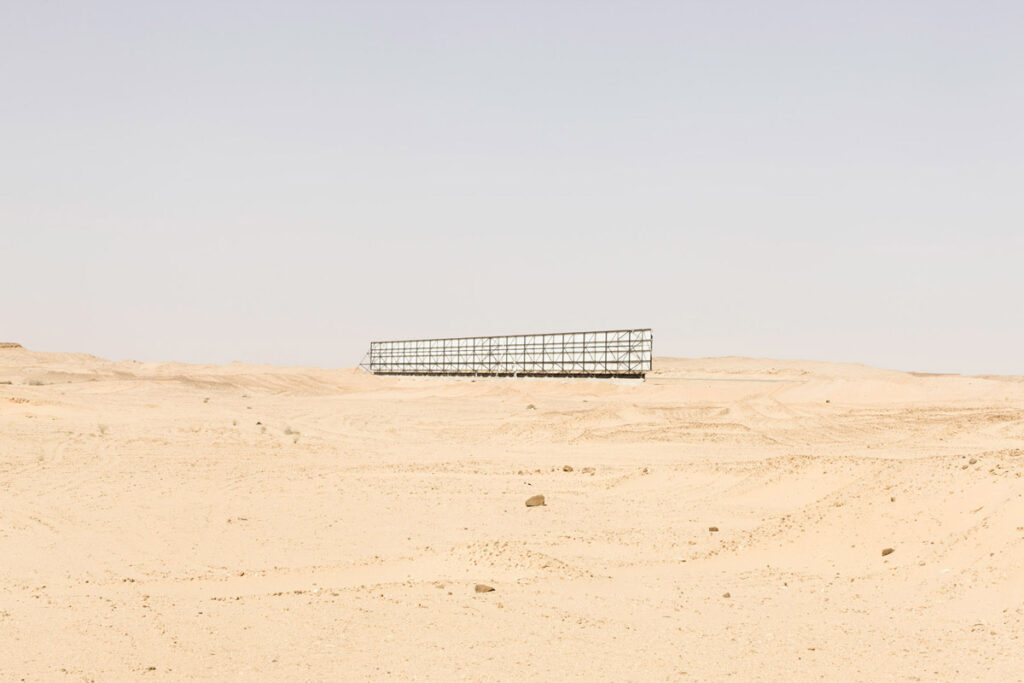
{"x": 173, "y": 521}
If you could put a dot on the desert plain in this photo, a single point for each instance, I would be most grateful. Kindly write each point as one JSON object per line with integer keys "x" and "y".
{"x": 726, "y": 518}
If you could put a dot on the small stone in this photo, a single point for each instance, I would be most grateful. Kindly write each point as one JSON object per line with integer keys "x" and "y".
{"x": 892, "y": 499}
{"x": 726, "y": 594}
{"x": 887, "y": 551}
{"x": 567, "y": 468}
{"x": 588, "y": 470}
{"x": 483, "y": 588}
{"x": 534, "y": 501}
{"x": 972, "y": 461}
{"x": 712, "y": 528}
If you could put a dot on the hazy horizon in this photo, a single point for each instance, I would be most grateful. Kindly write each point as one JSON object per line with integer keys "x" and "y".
{"x": 284, "y": 183}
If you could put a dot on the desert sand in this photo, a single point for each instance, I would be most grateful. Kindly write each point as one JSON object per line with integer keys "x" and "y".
{"x": 171, "y": 521}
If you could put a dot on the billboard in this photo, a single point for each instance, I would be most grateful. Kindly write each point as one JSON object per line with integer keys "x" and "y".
{"x": 602, "y": 353}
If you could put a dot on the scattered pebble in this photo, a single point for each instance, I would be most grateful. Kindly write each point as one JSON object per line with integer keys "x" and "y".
{"x": 887, "y": 551}
{"x": 712, "y": 528}
{"x": 483, "y": 588}
{"x": 567, "y": 468}
{"x": 588, "y": 470}
{"x": 726, "y": 594}
{"x": 972, "y": 461}
{"x": 534, "y": 501}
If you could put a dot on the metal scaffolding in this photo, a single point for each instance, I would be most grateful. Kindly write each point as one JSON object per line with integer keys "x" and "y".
{"x": 604, "y": 353}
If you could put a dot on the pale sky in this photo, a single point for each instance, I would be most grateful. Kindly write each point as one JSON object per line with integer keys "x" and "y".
{"x": 284, "y": 182}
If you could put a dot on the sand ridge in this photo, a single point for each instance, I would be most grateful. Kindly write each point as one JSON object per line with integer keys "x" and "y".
{"x": 180, "y": 521}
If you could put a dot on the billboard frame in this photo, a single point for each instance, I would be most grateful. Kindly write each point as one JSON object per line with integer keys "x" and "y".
{"x": 623, "y": 353}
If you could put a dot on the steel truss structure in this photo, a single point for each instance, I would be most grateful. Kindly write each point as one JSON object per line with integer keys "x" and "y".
{"x": 604, "y": 353}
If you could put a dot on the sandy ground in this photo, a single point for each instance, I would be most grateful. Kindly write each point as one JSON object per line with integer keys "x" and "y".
{"x": 168, "y": 521}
